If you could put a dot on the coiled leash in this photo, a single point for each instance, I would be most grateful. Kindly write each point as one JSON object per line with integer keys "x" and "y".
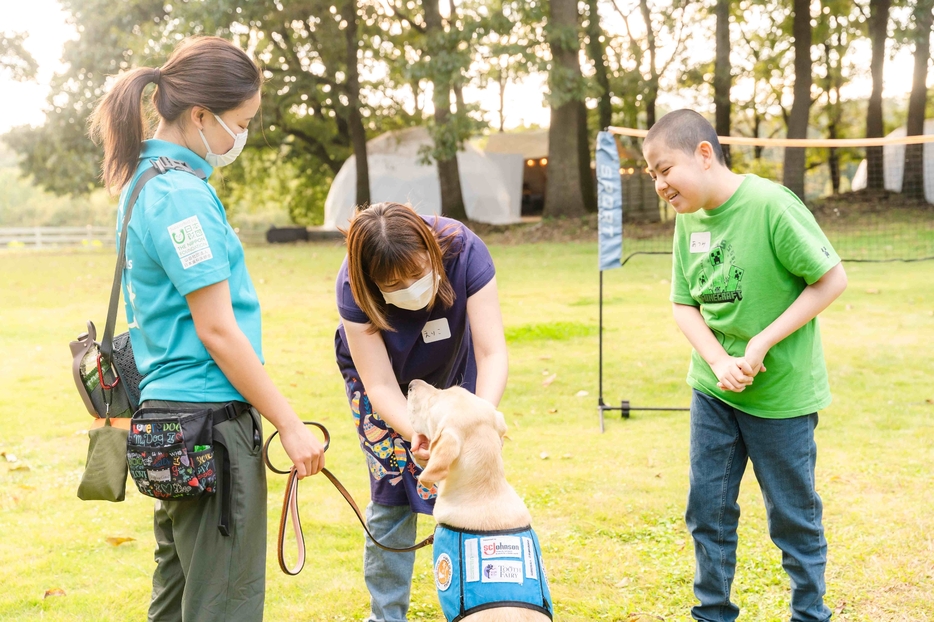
{"x": 290, "y": 508}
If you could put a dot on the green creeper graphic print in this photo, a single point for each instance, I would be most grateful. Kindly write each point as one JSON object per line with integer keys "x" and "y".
{"x": 742, "y": 265}
{"x": 724, "y": 284}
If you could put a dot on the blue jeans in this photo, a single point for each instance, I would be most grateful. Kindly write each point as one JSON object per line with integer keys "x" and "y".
{"x": 388, "y": 575}
{"x": 783, "y": 455}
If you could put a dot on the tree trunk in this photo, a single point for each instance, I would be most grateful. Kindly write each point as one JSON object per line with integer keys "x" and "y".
{"x": 721, "y": 75}
{"x": 651, "y": 85}
{"x": 357, "y": 131}
{"x": 878, "y": 32}
{"x": 800, "y": 109}
{"x": 913, "y": 182}
{"x": 452, "y": 199}
{"x": 588, "y": 179}
{"x": 564, "y": 185}
{"x": 597, "y": 52}
{"x": 501, "y": 80}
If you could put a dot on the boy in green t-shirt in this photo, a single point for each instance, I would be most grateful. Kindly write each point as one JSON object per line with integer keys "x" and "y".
{"x": 751, "y": 271}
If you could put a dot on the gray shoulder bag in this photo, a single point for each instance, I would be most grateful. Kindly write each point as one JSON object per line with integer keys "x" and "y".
{"x": 106, "y": 375}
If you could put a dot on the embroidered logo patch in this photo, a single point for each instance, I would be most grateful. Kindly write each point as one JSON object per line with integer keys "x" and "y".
{"x": 531, "y": 571}
{"x": 501, "y": 546}
{"x": 190, "y": 242}
{"x": 444, "y": 571}
{"x": 471, "y": 560}
{"x": 502, "y": 571}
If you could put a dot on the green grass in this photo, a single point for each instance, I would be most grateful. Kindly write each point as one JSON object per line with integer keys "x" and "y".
{"x": 608, "y": 507}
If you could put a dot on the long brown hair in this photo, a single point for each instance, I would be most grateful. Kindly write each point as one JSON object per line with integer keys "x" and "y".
{"x": 202, "y": 71}
{"x": 384, "y": 243}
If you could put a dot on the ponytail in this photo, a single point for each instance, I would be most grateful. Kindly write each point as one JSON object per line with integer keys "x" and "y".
{"x": 118, "y": 123}
{"x": 202, "y": 71}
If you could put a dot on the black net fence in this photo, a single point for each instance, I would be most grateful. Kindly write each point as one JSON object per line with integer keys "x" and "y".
{"x": 871, "y": 205}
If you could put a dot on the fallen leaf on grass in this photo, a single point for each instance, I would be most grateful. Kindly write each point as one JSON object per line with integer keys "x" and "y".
{"x": 54, "y": 592}
{"x": 872, "y": 291}
{"x": 929, "y": 401}
{"x": 547, "y": 381}
{"x": 20, "y": 467}
{"x": 543, "y": 455}
{"x": 552, "y": 410}
{"x": 118, "y": 541}
{"x": 581, "y": 393}
{"x": 624, "y": 582}
{"x": 544, "y": 358}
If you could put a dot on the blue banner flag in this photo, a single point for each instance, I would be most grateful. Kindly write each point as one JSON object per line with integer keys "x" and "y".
{"x": 609, "y": 201}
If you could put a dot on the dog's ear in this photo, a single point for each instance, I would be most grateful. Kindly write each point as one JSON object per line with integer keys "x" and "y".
{"x": 444, "y": 450}
{"x": 500, "y": 423}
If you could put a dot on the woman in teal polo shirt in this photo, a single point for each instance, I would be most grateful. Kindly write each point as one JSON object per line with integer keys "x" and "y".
{"x": 194, "y": 319}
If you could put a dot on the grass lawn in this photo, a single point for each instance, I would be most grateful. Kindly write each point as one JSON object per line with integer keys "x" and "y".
{"x": 608, "y": 507}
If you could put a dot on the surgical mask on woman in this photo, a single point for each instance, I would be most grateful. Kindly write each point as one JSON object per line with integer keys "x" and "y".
{"x": 223, "y": 159}
{"x": 416, "y": 296}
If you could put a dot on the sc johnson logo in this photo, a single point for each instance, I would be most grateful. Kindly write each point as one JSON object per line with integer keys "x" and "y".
{"x": 508, "y": 546}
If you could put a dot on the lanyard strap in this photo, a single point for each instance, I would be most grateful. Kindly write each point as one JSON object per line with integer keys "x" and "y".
{"x": 290, "y": 509}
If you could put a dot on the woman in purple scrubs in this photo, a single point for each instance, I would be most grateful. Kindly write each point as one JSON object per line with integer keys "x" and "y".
{"x": 417, "y": 299}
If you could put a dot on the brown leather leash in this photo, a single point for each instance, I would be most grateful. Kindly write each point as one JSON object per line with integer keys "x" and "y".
{"x": 290, "y": 508}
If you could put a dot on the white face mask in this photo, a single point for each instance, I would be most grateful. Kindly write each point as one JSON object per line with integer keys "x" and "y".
{"x": 223, "y": 159}
{"x": 416, "y": 296}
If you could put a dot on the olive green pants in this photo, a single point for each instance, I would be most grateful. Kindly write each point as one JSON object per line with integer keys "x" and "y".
{"x": 201, "y": 575}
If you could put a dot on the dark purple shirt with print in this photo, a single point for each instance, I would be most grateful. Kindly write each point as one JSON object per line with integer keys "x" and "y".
{"x": 416, "y": 352}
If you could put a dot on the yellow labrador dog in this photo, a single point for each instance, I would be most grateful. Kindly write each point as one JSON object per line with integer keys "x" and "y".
{"x": 487, "y": 560}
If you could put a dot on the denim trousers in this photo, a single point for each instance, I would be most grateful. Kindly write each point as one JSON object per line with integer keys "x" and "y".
{"x": 783, "y": 455}
{"x": 388, "y": 575}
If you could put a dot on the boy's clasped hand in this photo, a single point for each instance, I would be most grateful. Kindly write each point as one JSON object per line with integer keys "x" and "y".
{"x": 735, "y": 373}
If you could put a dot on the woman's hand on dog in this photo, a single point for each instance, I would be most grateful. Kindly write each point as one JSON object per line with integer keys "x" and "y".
{"x": 420, "y": 452}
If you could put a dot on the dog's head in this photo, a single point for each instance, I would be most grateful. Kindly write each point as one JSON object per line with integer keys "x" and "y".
{"x": 461, "y": 428}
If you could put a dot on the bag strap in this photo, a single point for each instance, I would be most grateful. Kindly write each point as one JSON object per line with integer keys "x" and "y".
{"x": 160, "y": 166}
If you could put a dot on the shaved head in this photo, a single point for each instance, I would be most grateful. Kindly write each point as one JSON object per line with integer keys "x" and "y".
{"x": 684, "y": 130}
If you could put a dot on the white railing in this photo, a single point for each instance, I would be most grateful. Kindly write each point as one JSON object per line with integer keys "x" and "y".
{"x": 51, "y": 237}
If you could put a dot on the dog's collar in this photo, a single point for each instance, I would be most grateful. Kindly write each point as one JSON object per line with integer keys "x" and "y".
{"x": 479, "y": 532}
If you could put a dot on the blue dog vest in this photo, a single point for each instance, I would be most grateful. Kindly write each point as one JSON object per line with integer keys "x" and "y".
{"x": 477, "y": 570}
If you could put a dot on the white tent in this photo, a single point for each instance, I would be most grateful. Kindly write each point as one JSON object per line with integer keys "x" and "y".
{"x": 492, "y": 187}
{"x": 893, "y": 165}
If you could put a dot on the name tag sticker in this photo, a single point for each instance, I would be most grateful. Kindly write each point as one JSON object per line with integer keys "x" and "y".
{"x": 700, "y": 242}
{"x": 436, "y": 330}
{"x": 190, "y": 242}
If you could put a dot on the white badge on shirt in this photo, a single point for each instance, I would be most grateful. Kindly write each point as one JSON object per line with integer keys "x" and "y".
{"x": 700, "y": 242}
{"x": 190, "y": 242}
{"x": 436, "y": 330}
